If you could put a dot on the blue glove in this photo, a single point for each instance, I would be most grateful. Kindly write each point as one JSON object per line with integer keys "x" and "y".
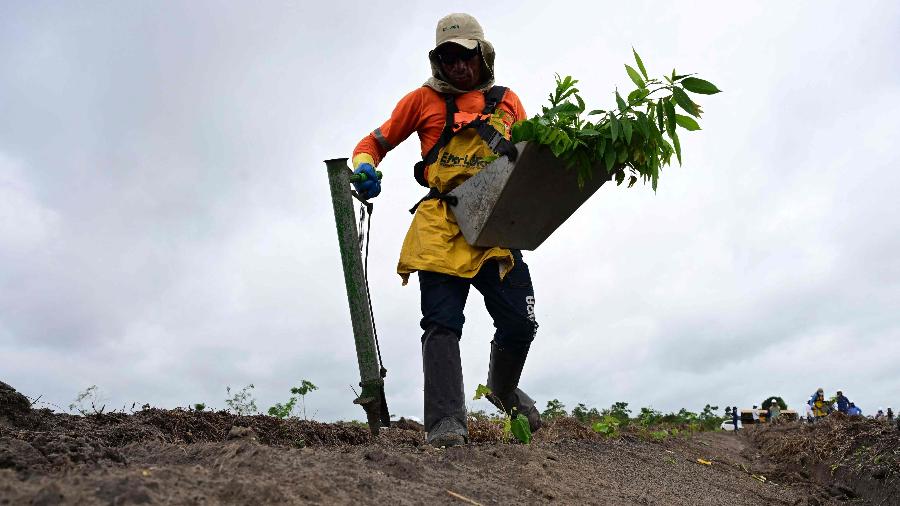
{"x": 371, "y": 187}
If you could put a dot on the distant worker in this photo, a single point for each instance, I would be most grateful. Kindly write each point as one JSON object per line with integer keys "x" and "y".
{"x": 853, "y": 410}
{"x": 880, "y": 414}
{"x": 815, "y": 395}
{"x": 462, "y": 121}
{"x": 774, "y": 412}
{"x": 735, "y": 418}
{"x": 843, "y": 403}
{"x": 755, "y": 414}
{"x": 821, "y": 408}
{"x": 890, "y": 414}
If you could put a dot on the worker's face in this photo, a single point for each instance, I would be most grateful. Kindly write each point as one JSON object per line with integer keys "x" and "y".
{"x": 461, "y": 66}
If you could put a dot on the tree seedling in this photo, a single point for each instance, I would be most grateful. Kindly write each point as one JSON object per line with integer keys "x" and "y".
{"x": 627, "y": 140}
{"x": 512, "y": 425}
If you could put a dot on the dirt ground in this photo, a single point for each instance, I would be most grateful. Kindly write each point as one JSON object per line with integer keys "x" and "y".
{"x": 186, "y": 457}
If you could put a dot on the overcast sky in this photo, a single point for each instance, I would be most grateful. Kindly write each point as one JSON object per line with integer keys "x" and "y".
{"x": 166, "y": 229}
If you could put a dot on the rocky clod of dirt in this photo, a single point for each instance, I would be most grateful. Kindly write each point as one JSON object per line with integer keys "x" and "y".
{"x": 13, "y": 405}
{"x": 245, "y": 433}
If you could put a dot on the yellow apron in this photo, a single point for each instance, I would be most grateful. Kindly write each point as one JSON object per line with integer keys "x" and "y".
{"x": 434, "y": 242}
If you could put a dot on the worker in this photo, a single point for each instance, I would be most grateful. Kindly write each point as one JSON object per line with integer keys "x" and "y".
{"x": 843, "y": 403}
{"x": 463, "y": 121}
{"x": 773, "y": 413}
{"x": 735, "y": 418}
{"x": 853, "y": 410}
{"x": 814, "y": 396}
{"x": 821, "y": 408}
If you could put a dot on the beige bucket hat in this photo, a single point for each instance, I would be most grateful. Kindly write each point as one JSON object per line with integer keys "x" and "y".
{"x": 459, "y": 28}
{"x": 462, "y": 29}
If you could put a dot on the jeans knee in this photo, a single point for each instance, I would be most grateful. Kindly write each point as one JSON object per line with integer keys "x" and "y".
{"x": 518, "y": 335}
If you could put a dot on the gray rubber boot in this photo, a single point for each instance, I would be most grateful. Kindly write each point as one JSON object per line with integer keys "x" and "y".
{"x": 503, "y": 380}
{"x": 445, "y": 406}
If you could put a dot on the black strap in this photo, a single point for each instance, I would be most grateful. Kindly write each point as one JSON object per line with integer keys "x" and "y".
{"x": 492, "y": 98}
{"x": 433, "y": 193}
{"x": 494, "y": 139}
{"x": 446, "y": 134}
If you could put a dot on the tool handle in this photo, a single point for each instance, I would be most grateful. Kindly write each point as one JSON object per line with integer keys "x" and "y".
{"x": 362, "y": 178}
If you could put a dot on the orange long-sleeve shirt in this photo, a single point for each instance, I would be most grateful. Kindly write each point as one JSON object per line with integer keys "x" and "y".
{"x": 423, "y": 111}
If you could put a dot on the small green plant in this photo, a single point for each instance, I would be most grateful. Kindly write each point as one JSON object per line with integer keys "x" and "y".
{"x": 609, "y": 426}
{"x": 708, "y": 418}
{"x": 659, "y": 435}
{"x": 626, "y": 141}
{"x": 520, "y": 428}
{"x": 242, "y": 402}
{"x": 584, "y": 414}
{"x": 555, "y": 409}
{"x": 199, "y": 406}
{"x": 517, "y": 425}
{"x": 649, "y": 416}
{"x": 285, "y": 410}
{"x": 91, "y": 395}
{"x": 619, "y": 411}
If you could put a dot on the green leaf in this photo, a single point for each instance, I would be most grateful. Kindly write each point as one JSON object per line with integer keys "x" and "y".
{"x": 631, "y": 181}
{"x": 677, "y": 144}
{"x": 567, "y": 94}
{"x": 635, "y": 77}
{"x": 660, "y": 116}
{"x": 687, "y": 122}
{"x": 580, "y": 103}
{"x": 637, "y": 96}
{"x": 609, "y": 158}
{"x": 640, "y": 63}
{"x": 656, "y": 134}
{"x": 643, "y": 124}
{"x": 684, "y": 101}
{"x": 520, "y": 428}
{"x": 696, "y": 85}
{"x": 614, "y": 126}
{"x": 481, "y": 391}
{"x": 622, "y": 105}
{"x": 522, "y": 131}
{"x": 670, "y": 117}
{"x": 588, "y": 132}
{"x": 596, "y": 111}
{"x": 626, "y": 129}
{"x": 563, "y": 109}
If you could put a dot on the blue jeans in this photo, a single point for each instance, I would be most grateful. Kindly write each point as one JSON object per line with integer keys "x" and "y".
{"x": 510, "y": 302}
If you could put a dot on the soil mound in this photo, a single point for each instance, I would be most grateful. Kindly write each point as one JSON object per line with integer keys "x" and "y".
{"x": 13, "y": 405}
{"x": 854, "y": 457}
